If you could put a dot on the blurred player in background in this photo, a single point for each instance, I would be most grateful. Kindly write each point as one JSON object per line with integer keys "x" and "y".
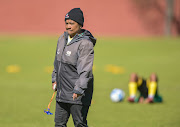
{"x": 148, "y": 89}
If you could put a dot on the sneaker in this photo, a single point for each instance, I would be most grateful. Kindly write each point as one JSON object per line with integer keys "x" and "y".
{"x": 130, "y": 99}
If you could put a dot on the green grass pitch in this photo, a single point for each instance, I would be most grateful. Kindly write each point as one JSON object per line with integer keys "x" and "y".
{"x": 25, "y": 81}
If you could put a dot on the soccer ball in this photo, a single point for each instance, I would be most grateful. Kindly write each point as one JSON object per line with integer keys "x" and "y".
{"x": 117, "y": 95}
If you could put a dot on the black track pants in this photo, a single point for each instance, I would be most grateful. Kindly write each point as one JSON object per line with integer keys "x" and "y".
{"x": 78, "y": 112}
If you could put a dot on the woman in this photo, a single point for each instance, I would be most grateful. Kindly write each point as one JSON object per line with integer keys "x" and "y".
{"x": 73, "y": 71}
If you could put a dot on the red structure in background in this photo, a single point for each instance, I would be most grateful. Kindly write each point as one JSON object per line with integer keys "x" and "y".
{"x": 102, "y": 17}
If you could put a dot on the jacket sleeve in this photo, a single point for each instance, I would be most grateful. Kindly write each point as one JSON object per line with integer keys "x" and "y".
{"x": 54, "y": 73}
{"x": 55, "y": 68}
{"x": 84, "y": 66}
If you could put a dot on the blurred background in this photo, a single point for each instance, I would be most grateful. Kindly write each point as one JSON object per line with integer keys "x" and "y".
{"x": 139, "y": 36}
{"x": 116, "y": 17}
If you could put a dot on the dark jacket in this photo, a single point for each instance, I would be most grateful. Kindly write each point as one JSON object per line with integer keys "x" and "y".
{"x": 73, "y": 68}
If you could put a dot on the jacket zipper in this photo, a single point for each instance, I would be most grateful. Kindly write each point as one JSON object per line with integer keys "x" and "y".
{"x": 60, "y": 68}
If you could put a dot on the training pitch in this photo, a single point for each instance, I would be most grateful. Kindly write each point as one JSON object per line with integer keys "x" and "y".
{"x": 25, "y": 81}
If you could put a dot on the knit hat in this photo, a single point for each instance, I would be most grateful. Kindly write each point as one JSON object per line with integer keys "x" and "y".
{"x": 76, "y": 15}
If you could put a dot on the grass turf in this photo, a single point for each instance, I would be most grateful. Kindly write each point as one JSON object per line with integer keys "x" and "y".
{"x": 26, "y": 93}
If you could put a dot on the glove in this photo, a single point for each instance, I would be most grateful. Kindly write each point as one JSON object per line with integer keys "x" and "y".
{"x": 54, "y": 86}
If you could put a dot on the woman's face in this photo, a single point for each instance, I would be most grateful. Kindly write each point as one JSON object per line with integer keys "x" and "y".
{"x": 72, "y": 27}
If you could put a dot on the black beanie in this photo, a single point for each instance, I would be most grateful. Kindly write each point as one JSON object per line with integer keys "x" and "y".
{"x": 76, "y": 15}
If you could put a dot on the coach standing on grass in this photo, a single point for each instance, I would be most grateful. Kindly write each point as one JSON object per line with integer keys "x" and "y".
{"x": 73, "y": 71}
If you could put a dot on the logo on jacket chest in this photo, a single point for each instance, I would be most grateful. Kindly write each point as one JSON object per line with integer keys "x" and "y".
{"x": 68, "y": 53}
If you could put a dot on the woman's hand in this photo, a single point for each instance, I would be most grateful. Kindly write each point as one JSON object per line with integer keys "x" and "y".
{"x": 54, "y": 86}
{"x": 75, "y": 96}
